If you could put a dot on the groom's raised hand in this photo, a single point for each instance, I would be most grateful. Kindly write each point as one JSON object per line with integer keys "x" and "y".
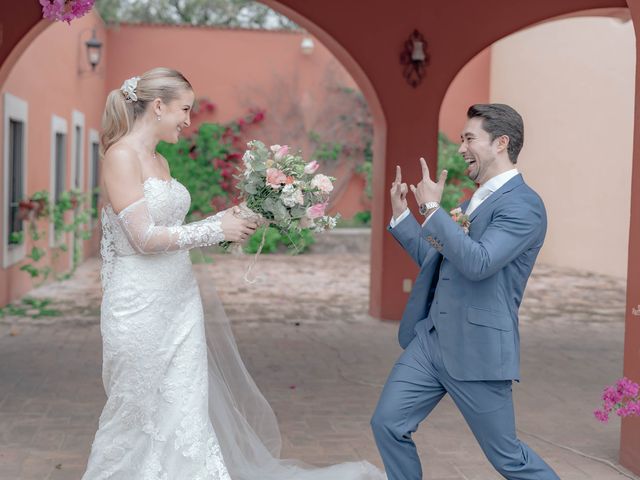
{"x": 428, "y": 190}
{"x": 399, "y": 192}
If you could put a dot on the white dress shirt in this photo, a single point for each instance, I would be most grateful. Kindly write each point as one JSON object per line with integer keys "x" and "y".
{"x": 480, "y": 195}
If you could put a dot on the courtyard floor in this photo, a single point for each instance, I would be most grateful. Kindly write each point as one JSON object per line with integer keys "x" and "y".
{"x": 306, "y": 337}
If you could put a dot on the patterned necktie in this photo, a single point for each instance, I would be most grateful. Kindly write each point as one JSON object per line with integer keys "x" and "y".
{"x": 477, "y": 198}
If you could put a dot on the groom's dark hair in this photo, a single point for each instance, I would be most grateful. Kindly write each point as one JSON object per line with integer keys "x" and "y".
{"x": 499, "y": 119}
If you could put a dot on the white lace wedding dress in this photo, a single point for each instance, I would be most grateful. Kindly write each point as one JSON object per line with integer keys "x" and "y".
{"x": 181, "y": 405}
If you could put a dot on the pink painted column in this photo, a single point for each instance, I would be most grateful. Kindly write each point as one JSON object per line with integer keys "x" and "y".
{"x": 630, "y": 433}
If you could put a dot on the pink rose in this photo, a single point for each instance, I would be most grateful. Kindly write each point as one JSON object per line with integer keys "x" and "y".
{"x": 311, "y": 167}
{"x": 316, "y": 211}
{"x": 281, "y": 153}
{"x": 322, "y": 183}
{"x": 275, "y": 178}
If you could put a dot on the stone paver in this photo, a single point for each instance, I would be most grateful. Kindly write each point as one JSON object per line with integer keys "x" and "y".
{"x": 320, "y": 360}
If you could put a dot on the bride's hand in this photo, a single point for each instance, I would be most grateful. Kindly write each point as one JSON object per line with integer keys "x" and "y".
{"x": 236, "y": 229}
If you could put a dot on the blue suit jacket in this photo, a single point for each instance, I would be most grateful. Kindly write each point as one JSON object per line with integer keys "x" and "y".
{"x": 470, "y": 286}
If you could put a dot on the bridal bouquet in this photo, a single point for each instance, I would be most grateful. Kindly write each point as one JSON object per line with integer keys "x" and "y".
{"x": 280, "y": 189}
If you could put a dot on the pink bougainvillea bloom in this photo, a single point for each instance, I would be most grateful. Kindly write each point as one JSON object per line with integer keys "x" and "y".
{"x": 65, "y": 10}
{"x": 621, "y": 399}
{"x": 275, "y": 178}
{"x": 611, "y": 397}
{"x": 633, "y": 407}
{"x": 311, "y": 167}
{"x": 627, "y": 388}
{"x": 316, "y": 211}
{"x": 601, "y": 416}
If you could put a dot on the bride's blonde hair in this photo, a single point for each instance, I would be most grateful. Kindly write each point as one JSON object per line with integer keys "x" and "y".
{"x": 120, "y": 114}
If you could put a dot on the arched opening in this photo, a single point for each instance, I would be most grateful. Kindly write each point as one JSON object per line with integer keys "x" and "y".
{"x": 573, "y": 80}
{"x": 82, "y": 91}
{"x": 117, "y": 66}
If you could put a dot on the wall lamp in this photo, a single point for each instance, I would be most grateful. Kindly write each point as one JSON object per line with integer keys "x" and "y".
{"x": 93, "y": 50}
{"x": 414, "y": 59}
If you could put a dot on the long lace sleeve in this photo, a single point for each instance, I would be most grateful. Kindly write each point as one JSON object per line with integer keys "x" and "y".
{"x": 146, "y": 237}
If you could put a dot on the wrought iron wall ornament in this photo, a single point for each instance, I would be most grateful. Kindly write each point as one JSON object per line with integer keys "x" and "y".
{"x": 414, "y": 58}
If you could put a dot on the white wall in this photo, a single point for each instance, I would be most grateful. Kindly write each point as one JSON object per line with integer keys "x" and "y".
{"x": 573, "y": 82}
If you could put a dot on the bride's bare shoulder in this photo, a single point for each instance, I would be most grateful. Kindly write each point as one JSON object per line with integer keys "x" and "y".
{"x": 121, "y": 159}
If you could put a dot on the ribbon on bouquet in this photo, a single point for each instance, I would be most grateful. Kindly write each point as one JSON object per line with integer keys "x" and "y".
{"x": 244, "y": 212}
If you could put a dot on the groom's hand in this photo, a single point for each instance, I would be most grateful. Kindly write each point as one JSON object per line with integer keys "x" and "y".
{"x": 399, "y": 192}
{"x": 428, "y": 190}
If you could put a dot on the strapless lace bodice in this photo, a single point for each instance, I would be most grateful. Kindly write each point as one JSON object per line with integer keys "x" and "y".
{"x": 153, "y": 225}
{"x": 168, "y": 202}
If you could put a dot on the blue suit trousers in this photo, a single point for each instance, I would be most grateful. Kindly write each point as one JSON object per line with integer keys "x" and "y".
{"x": 415, "y": 386}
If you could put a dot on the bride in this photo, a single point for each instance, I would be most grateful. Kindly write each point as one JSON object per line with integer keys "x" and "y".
{"x": 180, "y": 405}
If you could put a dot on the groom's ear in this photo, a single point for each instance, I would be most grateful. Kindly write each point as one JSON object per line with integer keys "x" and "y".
{"x": 502, "y": 143}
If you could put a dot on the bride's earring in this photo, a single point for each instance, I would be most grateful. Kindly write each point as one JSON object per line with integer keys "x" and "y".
{"x": 158, "y": 117}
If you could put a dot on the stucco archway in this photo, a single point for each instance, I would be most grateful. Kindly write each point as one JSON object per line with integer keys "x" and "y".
{"x": 619, "y": 167}
{"x": 370, "y": 38}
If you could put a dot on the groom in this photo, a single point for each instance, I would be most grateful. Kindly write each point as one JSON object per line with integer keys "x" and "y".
{"x": 460, "y": 326}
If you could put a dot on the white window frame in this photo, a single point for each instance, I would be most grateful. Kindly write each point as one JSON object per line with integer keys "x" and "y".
{"x": 94, "y": 137}
{"x": 77, "y": 120}
{"x": 14, "y": 109}
{"x": 58, "y": 125}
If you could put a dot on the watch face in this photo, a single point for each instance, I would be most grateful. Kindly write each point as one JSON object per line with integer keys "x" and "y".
{"x": 425, "y": 207}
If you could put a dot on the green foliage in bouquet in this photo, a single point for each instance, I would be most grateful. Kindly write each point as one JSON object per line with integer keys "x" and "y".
{"x": 457, "y": 180}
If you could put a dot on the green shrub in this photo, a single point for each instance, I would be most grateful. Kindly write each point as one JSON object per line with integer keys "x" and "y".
{"x": 363, "y": 217}
{"x": 276, "y": 241}
{"x": 191, "y": 163}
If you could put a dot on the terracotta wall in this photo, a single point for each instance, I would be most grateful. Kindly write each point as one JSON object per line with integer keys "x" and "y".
{"x": 47, "y": 77}
{"x": 471, "y": 85}
{"x": 573, "y": 82}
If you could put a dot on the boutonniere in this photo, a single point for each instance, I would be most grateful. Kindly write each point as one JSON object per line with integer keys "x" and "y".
{"x": 461, "y": 219}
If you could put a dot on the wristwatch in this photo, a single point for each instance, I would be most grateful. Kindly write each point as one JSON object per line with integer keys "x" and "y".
{"x": 426, "y": 207}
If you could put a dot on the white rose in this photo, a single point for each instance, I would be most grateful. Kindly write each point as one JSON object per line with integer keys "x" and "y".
{"x": 247, "y": 158}
{"x": 291, "y": 196}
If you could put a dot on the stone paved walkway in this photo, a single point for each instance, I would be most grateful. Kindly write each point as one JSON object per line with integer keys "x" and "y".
{"x": 305, "y": 335}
